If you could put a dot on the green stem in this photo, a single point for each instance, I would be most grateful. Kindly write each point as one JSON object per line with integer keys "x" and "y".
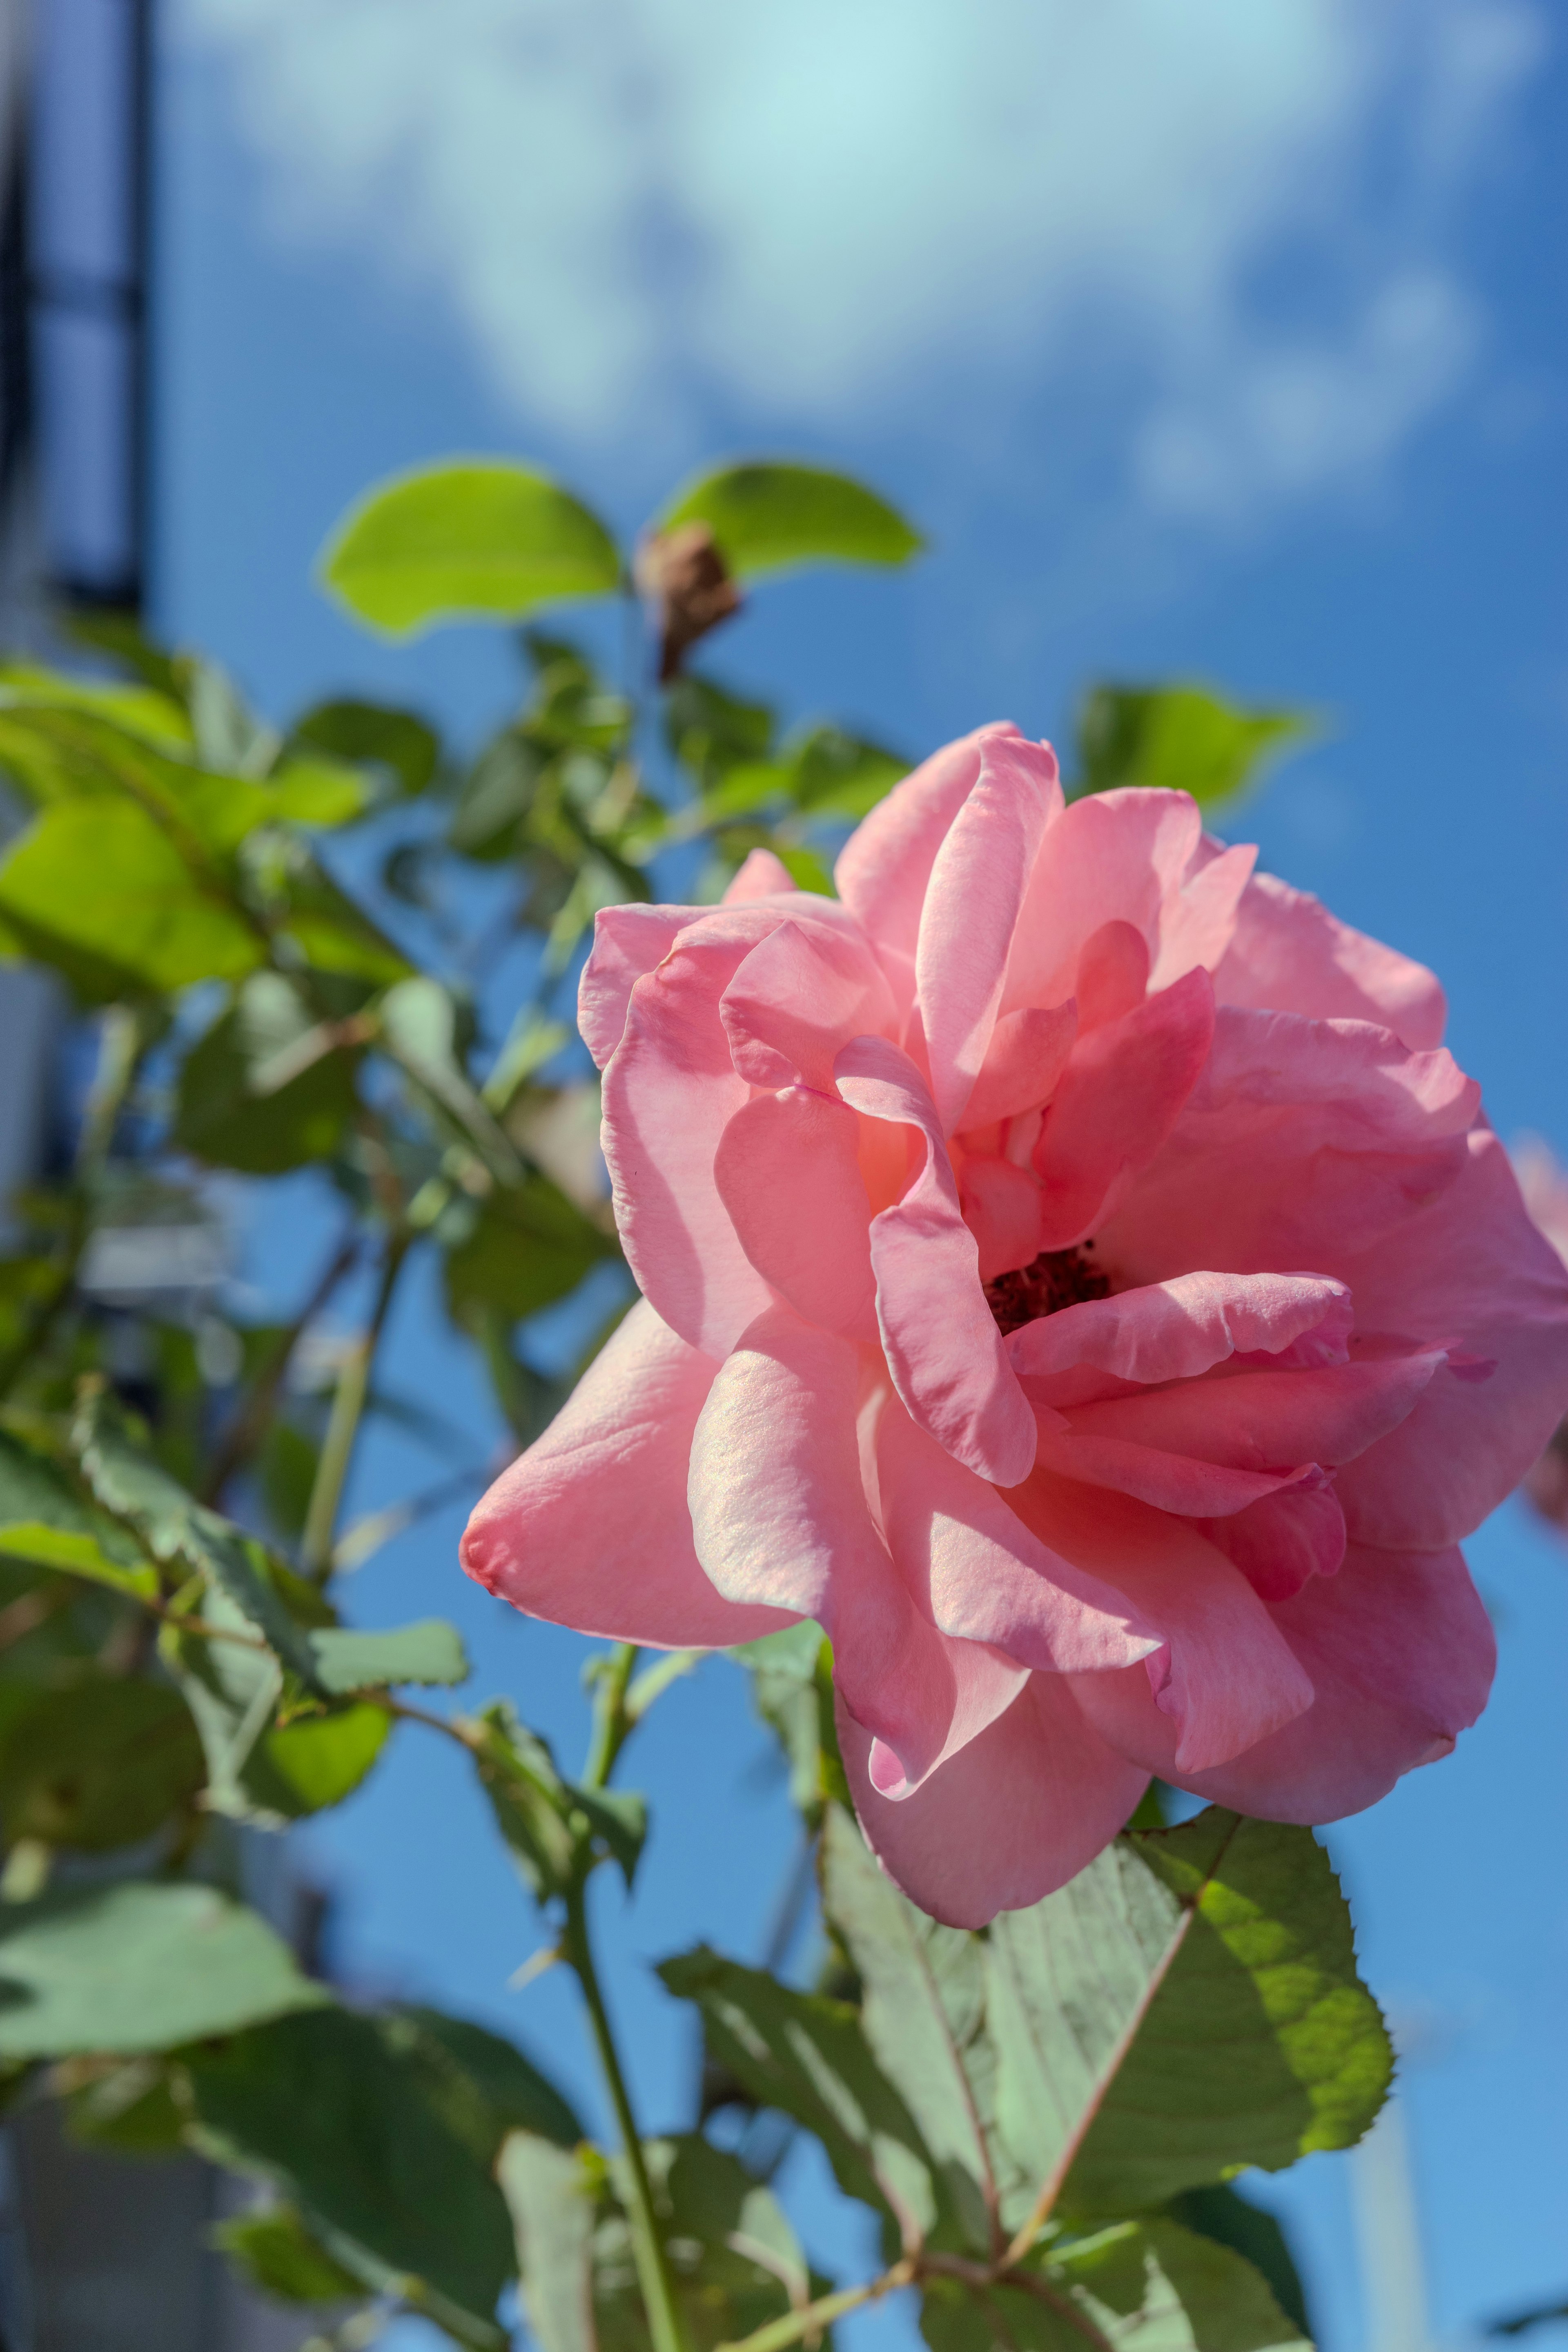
{"x": 647, "y": 2246}
{"x": 342, "y": 1428}
{"x": 811, "y": 2318}
{"x": 613, "y": 1724}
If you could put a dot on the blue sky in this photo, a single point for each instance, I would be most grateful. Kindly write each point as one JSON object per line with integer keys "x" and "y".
{"x": 1202, "y": 339}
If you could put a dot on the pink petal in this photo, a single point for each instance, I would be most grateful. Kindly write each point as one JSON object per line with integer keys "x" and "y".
{"x": 1112, "y": 974}
{"x": 781, "y": 1521}
{"x": 1401, "y": 1655}
{"x": 762, "y": 876}
{"x": 977, "y": 1571}
{"x": 1020, "y": 1810}
{"x": 1121, "y": 1095}
{"x": 669, "y": 1092}
{"x": 942, "y": 1346}
{"x": 787, "y": 1171}
{"x": 1172, "y": 1482}
{"x": 1468, "y": 1266}
{"x": 1197, "y": 919}
{"x": 801, "y": 994}
{"x": 971, "y": 908}
{"x": 1267, "y": 1419}
{"x": 1291, "y": 955}
{"x": 1303, "y": 1144}
{"x": 1113, "y": 858}
{"x": 1174, "y": 1330}
{"x": 1280, "y": 1542}
{"x": 1230, "y": 1679}
{"x": 627, "y": 941}
{"x": 589, "y": 1527}
{"x": 1001, "y": 1207}
{"x": 1027, "y": 1056}
{"x": 884, "y": 866}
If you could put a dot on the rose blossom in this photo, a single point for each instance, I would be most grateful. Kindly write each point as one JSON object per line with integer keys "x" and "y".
{"x": 1544, "y": 1187}
{"x": 1074, "y": 1274}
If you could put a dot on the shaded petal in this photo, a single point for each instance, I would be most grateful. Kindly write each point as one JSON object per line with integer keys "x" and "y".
{"x": 978, "y": 1572}
{"x": 971, "y": 910}
{"x": 1112, "y": 974}
{"x": 1469, "y": 1267}
{"x": 1020, "y": 1810}
{"x": 1230, "y": 1678}
{"x": 942, "y": 1346}
{"x": 1174, "y": 1330}
{"x": 589, "y": 1527}
{"x": 1288, "y": 953}
{"x": 1192, "y": 1487}
{"x": 781, "y": 1521}
{"x": 799, "y": 995}
{"x": 884, "y": 866}
{"x": 1027, "y": 1056}
{"x": 1280, "y": 1542}
{"x": 669, "y": 1092}
{"x": 1001, "y": 1206}
{"x": 1268, "y": 1420}
{"x": 787, "y": 1169}
{"x": 1401, "y": 1655}
{"x": 1120, "y": 1096}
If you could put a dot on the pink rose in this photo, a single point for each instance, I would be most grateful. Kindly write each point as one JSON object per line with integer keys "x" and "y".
{"x": 1545, "y": 1190}
{"x": 1074, "y": 1274}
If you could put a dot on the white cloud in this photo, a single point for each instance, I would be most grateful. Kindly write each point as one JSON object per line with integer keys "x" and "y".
{"x": 817, "y": 211}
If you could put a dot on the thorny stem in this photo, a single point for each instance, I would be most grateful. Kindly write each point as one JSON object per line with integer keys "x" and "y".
{"x": 342, "y": 1428}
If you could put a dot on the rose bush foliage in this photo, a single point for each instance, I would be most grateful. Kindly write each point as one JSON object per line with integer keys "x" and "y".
{"x": 1073, "y": 1273}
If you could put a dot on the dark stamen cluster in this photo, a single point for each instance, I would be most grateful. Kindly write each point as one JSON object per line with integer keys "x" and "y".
{"x": 1057, "y": 1278}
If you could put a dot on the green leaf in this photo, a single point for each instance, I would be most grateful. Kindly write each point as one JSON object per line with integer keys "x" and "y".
{"x": 841, "y": 777}
{"x": 314, "y": 1761}
{"x": 130, "y": 2109}
{"x": 1162, "y": 2289}
{"x": 922, "y": 2012}
{"x": 806, "y": 2056}
{"x": 503, "y": 2090}
{"x": 145, "y": 710}
{"x": 1180, "y": 738}
{"x": 551, "y": 2194}
{"x": 374, "y": 735}
{"x": 322, "y": 792}
{"x": 267, "y": 1088}
{"x": 175, "y": 1527}
{"x": 792, "y": 1690}
{"x": 1188, "y": 2005}
{"x": 120, "y": 635}
{"x": 134, "y": 1966}
{"x": 553, "y": 1829}
{"x": 98, "y": 888}
{"x": 428, "y": 1652}
{"x": 481, "y": 538}
{"x": 527, "y": 1246}
{"x": 277, "y": 2252}
{"x": 44, "y": 1520}
{"x": 734, "y": 2262}
{"x": 1217, "y": 2212}
{"x": 765, "y": 517}
{"x": 341, "y": 2114}
{"x": 99, "y": 1766}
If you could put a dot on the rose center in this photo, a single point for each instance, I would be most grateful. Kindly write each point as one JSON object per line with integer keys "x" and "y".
{"x": 1057, "y": 1278}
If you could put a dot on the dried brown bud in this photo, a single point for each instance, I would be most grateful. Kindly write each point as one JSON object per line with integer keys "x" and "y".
{"x": 682, "y": 574}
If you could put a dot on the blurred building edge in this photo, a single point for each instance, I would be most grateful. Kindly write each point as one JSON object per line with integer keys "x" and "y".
{"x": 1388, "y": 2234}
{"x": 98, "y": 2252}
